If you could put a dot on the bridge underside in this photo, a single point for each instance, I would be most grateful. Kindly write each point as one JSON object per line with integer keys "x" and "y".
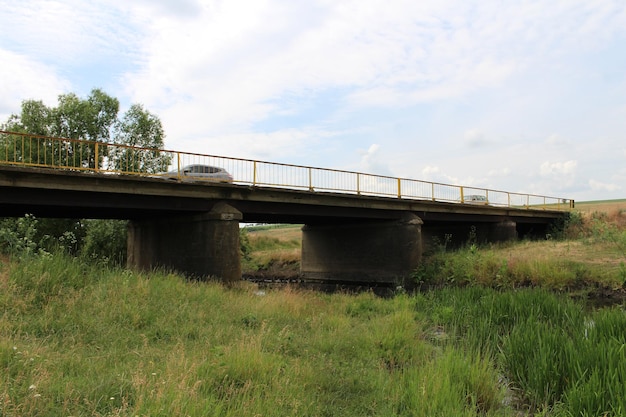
{"x": 380, "y": 251}
{"x": 194, "y": 228}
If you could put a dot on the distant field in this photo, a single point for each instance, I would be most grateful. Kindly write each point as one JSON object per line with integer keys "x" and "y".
{"x": 282, "y": 232}
{"x": 607, "y": 206}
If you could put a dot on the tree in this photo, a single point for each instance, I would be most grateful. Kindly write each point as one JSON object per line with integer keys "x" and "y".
{"x": 89, "y": 119}
{"x": 95, "y": 119}
{"x": 73, "y": 118}
{"x": 139, "y": 128}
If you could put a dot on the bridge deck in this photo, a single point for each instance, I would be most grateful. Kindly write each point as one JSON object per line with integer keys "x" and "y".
{"x": 58, "y": 193}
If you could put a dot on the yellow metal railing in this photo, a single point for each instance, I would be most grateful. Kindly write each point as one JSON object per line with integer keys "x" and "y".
{"x": 73, "y": 154}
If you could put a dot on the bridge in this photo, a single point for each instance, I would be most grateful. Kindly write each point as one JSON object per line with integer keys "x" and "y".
{"x": 357, "y": 227}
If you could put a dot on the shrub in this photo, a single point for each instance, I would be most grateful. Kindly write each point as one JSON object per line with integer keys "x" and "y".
{"x": 105, "y": 240}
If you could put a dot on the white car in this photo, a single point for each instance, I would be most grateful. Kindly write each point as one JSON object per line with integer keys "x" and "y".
{"x": 200, "y": 172}
{"x": 475, "y": 199}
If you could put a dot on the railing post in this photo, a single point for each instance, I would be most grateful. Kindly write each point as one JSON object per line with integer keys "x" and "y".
{"x": 462, "y": 196}
{"x": 432, "y": 192}
{"x": 358, "y": 184}
{"x": 399, "y": 188}
{"x": 508, "y": 197}
{"x": 310, "y": 180}
{"x": 96, "y": 161}
{"x": 178, "y": 164}
{"x": 254, "y": 173}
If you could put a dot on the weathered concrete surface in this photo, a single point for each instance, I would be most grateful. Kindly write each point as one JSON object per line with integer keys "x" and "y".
{"x": 374, "y": 251}
{"x": 453, "y": 235}
{"x": 503, "y": 231}
{"x": 200, "y": 246}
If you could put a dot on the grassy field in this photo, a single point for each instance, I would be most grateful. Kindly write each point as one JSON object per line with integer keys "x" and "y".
{"x": 274, "y": 250}
{"x": 497, "y": 333}
{"x": 82, "y": 340}
{"x": 605, "y": 206}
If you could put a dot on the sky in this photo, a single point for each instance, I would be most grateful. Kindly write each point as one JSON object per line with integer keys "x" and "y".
{"x": 513, "y": 95}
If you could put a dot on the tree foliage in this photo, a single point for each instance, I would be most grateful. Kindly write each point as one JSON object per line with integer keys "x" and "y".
{"x": 139, "y": 128}
{"x": 94, "y": 118}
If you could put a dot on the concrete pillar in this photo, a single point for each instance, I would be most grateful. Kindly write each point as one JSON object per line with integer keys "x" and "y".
{"x": 503, "y": 231}
{"x": 368, "y": 251}
{"x": 200, "y": 246}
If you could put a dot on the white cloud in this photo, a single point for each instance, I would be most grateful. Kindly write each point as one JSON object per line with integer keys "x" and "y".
{"x": 372, "y": 162}
{"x": 24, "y": 79}
{"x": 558, "y": 168}
{"x": 429, "y": 170}
{"x": 498, "y": 173}
{"x": 476, "y": 138}
{"x": 66, "y": 31}
{"x": 601, "y": 186}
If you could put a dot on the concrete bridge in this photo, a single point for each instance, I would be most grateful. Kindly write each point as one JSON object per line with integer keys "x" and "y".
{"x": 185, "y": 208}
{"x": 193, "y": 227}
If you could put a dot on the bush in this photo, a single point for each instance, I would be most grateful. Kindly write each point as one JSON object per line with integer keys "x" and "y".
{"x": 105, "y": 240}
{"x": 17, "y": 236}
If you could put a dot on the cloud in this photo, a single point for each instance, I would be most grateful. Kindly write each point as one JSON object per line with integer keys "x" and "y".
{"x": 558, "y": 168}
{"x": 429, "y": 171}
{"x": 498, "y": 173}
{"x": 601, "y": 186}
{"x": 371, "y": 161}
{"x": 221, "y": 68}
{"x": 557, "y": 141}
{"x": 475, "y": 138}
{"x": 70, "y": 32}
{"x": 25, "y": 79}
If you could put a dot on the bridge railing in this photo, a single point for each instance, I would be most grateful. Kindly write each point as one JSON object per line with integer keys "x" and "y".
{"x": 111, "y": 158}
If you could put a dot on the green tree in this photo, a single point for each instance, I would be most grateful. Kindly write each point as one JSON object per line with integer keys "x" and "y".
{"x": 139, "y": 128}
{"x": 73, "y": 118}
{"x": 34, "y": 118}
{"x": 94, "y": 118}
{"x": 90, "y": 118}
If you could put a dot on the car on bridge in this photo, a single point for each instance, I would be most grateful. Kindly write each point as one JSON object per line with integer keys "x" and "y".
{"x": 475, "y": 199}
{"x": 200, "y": 172}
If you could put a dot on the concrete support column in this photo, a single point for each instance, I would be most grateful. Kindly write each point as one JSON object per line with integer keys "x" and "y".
{"x": 368, "y": 251}
{"x": 503, "y": 231}
{"x": 200, "y": 246}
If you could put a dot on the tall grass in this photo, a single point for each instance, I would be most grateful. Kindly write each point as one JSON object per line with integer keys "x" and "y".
{"x": 78, "y": 339}
{"x": 561, "y": 358}
{"x": 81, "y": 340}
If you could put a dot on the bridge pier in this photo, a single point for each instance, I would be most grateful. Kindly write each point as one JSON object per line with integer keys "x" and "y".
{"x": 453, "y": 235}
{"x": 373, "y": 251}
{"x": 200, "y": 246}
{"x": 503, "y": 231}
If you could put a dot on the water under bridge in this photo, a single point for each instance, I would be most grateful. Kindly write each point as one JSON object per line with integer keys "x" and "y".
{"x": 356, "y": 226}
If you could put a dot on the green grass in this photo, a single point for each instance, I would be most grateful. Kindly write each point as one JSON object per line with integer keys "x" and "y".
{"x": 273, "y": 248}
{"x": 78, "y": 339}
{"x": 495, "y": 333}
